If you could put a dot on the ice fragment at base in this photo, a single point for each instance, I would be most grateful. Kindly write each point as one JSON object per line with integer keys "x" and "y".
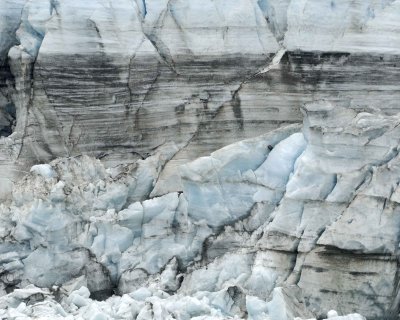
{"x": 34, "y": 303}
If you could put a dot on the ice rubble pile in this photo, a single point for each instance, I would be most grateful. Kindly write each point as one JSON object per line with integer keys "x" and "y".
{"x": 142, "y": 304}
{"x": 281, "y": 210}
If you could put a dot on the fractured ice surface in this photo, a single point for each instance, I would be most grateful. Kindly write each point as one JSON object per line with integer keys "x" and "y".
{"x": 104, "y": 105}
{"x": 288, "y": 224}
{"x": 33, "y": 303}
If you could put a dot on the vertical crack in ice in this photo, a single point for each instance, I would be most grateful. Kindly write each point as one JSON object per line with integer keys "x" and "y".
{"x": 162, "y": 51}
{"x": 129, "y": 87}
{"x": 148, "y": 91}
{"x": 26, "y": 105}
{"x": 99, "y": 37}
{"x": 128, "y": 83}
{"x": 54, "y": 6}
{"x": 33, "y": 52}
{"x": 206, "y": 116}
{"x": 270, "y": 66}
{"x": 276, "y": 26}
{"x": 183, "y": 32}
{"x": 144, "y": 8}
{"x": 160, "y": 47}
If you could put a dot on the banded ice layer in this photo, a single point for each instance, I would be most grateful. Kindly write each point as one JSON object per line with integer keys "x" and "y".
{"x": 117, "y": 79}
{"x": 288, "y": 224}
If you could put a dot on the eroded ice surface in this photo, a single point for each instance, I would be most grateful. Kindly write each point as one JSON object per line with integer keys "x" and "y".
{"x": 265, "y": 228}
{"x": 143, "y": 88}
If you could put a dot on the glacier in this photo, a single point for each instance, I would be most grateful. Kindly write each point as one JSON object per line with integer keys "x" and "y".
{"x": 118, "y": 79}
{"x": 212, "y": 159}
{"x": 263, "y": 228}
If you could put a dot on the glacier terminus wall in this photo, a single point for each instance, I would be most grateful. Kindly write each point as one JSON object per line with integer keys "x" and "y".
{"x": 187, "y": 159}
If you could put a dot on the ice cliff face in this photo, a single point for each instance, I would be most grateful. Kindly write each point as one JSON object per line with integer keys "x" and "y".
{"x": 117, "y": 79}
{"x": 126, "y": 100}
{"x": 313, "y": 211}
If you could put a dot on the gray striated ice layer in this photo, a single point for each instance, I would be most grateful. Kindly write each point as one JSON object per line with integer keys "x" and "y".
{"x": 117, "y": 79}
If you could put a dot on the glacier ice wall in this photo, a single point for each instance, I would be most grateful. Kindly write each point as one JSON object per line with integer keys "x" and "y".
{"x": 117, "y": 79}
{"x": 118, "y": 174}
{"x": 310, "y": 210}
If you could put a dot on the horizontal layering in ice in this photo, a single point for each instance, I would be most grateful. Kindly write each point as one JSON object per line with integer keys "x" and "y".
{"x": 117, "y": 79}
